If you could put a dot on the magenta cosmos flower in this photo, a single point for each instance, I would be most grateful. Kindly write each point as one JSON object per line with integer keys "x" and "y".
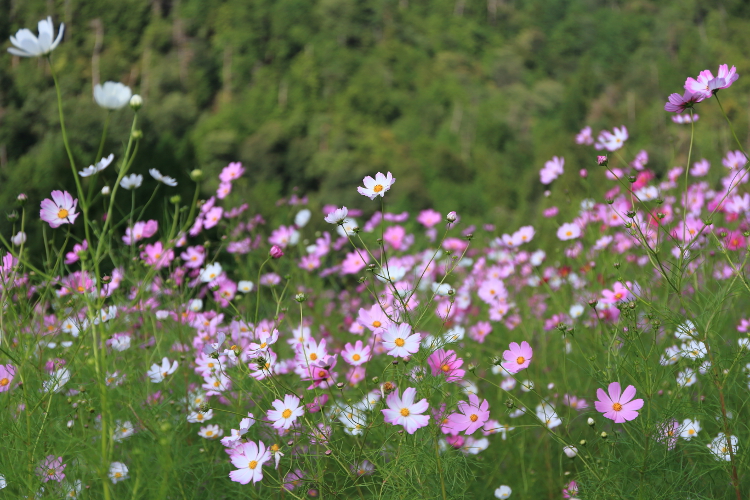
{"x": 249, "y": 459}
{"x": 678, "y": 103}
{"x": 404, "y": 411}
{"x": 61, "y": 209}
{"x": 517, "y": 357}
{"x": 470, "y": 417}
{"x": 446, "y": 363}
{"x": 285, "y": 413}
{"x": 377, "y": 186}
{"x": 7, "y": 372}
{"x": 618, "y": 405}
{"x": 51, "y": 469}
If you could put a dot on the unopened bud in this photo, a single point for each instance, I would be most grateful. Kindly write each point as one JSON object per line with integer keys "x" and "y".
{"x": 175, "y": 199}
{"x": 22, "y": 198}
{"x": 591, "y": 422}
{"x": 137, "y": 134}
{"x": 601, "y": 160}
{"x": 300, "y": 297}
{"x": 106, "y": 191}
{"x": 451, "y": 217}
{"x": 276, "y": 252}
{"x": 196, "y": 175}
{"x": 604, "y": 435}
{"x": 136, "y": 102}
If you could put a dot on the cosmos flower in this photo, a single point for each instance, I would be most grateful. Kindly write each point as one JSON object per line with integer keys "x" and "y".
{"x": 61, "y": 209}
{"x": 470, "y": 416}
{"x": 285, "y": 413}
{"x": 400, "y": 340}
{"x": 249, "y": 459}
{"x": 28, "y": 45}
{"x": 404, "y": 411}
{"x": 618, "y": 405}
{"x": 377, "y": 186}
{"x": 517, "y": 357}
{"x": 112, "y": 95}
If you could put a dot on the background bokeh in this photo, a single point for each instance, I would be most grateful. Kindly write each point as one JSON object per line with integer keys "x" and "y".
{"x": 463, "y": 100}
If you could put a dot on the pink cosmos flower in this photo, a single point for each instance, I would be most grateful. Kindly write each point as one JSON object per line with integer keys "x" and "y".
{"x": 470, "y": 417}
{"x": 59, "y": 210}
{"x": 552, "y": 170}
{"x": 446, "y": 363}
{"x": 338, "y": 216}
{"x": 356, "y": 354}
{"x": 231, "y": 172}
{"x": 517, "y": 357}
{"x": 677, "y": 103}
{"x": 400, "y": 340}
{"x": 51, "y": 469}
{"x": 429, "y": 218}
{"x": 374, "y": 319}
{"x": 734, "y": 160}
{"x": 585, "y": 137}
{"x": 568, "y": 231}
{"x": 249, "y": 459}
{"x": 285, "y": 413}
{"x": 404, "y": 411}
{"x": 139, "y": 231}
{"x": 156, "y": 255}
{"x": 7, "y": 372}
{"x": 618, "y": 406}
{"x": 72, "y": 257}
{"x": 700, "y": 168}
{"x": 377, "y": 186}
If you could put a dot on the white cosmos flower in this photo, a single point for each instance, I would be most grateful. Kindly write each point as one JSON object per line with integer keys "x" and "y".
{"x": 132, "y": 181}
{"x": 169, "y": 181}
{"x": 118, "y": 471}
{"x": 57, "y": 380}
{"x": 503, "y": 492}
{"x": 112, "y": 95}
{"x": 100, "y": 165}
{"x": 302, "y": 217}
{"x": 28, "y": 45}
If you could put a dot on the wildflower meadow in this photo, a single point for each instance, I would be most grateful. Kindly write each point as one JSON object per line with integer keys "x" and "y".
{"x": 203, "y": 351}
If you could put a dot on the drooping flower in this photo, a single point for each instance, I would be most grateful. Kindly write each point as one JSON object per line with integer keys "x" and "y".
{"x": 249, "y": 459}
{"x": 169, "y": 181}
{"x": 400, "y": 340}
{"x": 404, "y": 411}
{"x": 112, "y": 95}
{"x": 28, "y": 45}
{"x": 517, "y": 357}
{"x": 677, "y": 103}
{"x": 618, "y": 405}
{"x": 470, "y": 416}
{"x": 285, "y": 413}
{"x": 377, "y": 186}
{"x": 59, "y": 210}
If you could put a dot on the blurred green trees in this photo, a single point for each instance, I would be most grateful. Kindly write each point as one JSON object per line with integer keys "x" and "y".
{"x": 463, "y": 100}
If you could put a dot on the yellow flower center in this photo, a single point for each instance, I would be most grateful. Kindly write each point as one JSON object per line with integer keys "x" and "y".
{"x": 568, "y": 233}
{"x": 118, "y": 475}
{"x": 51, "y": 472}
{"x": 287, "y": 413}
{"x": 376, "y": 324}
{"x": 405, "y": 412}
{"x": 313, "y": 356}
{"x": 691, "y": 431}
{"x": 252, "y": 465}
{"x": 474, "y": 417}
{"x": 356, "y": 357}
{"x": 80, "y": 289}
{"x": 274, "y": 447}
{"x": 378, "y": 188}
{"x": 400, "y": 342}
{"x": 210, "y": 365}
{"x": 617, "y": 407}
{"x": 4, "y": 382}
{"x": 263, "y": 345}
{"x": 62, "y": 214}
{"x": 520, "y": 360}
{"x": 445, "y": 368}
{"x": 209, "y": 433}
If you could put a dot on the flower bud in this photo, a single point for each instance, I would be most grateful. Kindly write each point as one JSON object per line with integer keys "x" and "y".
{"x": 137, "y": 134}
{"x": 451, "y": 217}
{"x": 19, "y": 239}
{"x": 175, "y": 199}
{"x": 105, "y": 191}
{"x": 136, "y": 102}
{"x": 604, "y": 435}
{"x": 570, "y": 451}
{"x": 591, "y": 422}
{"x": 196, "y": 175}
{"x": 583, "y": 173}
{"x": 601, "y": 161}
{"x": 21, "y": 198}
{"x": 276, "y": 252}
{"x": 300, "y": 297}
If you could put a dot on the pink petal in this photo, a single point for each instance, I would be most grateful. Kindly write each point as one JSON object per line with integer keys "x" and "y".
{"x": 604, "y": 398}
{"x": 627, "y": 394}
{"x": 614, "y": 391}
{"x": 636, "y": 404}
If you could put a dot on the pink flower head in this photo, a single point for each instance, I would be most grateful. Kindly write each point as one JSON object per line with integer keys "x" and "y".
{"x": 517, "y": 357}
{"x": 231, "y": 172}
{"x": 374, "y": 319}
{"x": 51, "y": 469}
{"x": 552, "y": 170}
{"x": 7, "y": 372}
{"x": 568, "y": 231}
{"x": 61, "y": 209}
{"x": 285, "y": 413}
{"x": 585, "y": 137}
{"x": 404, "y": 411}
{"x": 276, "y": 252}
{"x": 728, "y": 75}
{"x": 400, "y": 340}
{"x": 356, "y": 354}
{"x": 73, "y": 256}
{"x": 377, "y": 186}
{"x": 446, "y": 363}
{"x": 618, "y": 405}
{"x": 571, "y": 490}
{"x": 678, "y": 103}
{"x": 429, "y": 218}
{"x": 470, "y": 417}
{"x": 249, "y": 459}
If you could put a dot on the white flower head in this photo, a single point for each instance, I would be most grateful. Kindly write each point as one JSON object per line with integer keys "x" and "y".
{"x": 112, "y": 95}
{"x": 95, "y": 169}
{"x": 118, "y": 471}
{"x": 169, "y": 181}
{"x": 503, "y": 492}
{"x": 28, "y": 45}
{"x": 132, "y": 181}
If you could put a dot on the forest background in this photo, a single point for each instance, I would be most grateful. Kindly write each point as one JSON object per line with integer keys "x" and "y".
{"x": 463, "y": 100}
